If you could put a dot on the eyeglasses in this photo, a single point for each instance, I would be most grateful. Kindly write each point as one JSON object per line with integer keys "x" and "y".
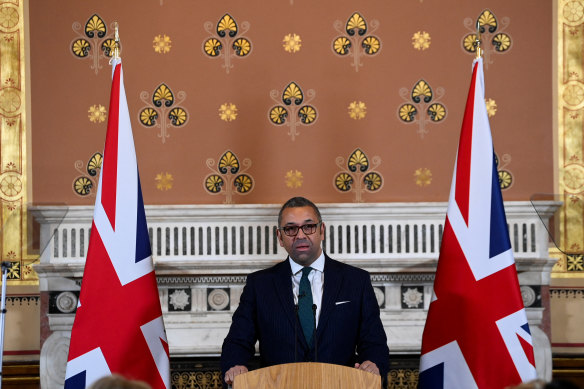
{"x": 308, "y": 229}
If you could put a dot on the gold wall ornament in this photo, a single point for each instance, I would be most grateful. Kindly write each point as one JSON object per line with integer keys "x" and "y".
{"x": 423, "y": 177}
{"x": 421, "y": 40}
{"x": 422, "y": 106}
{"x": 163, "y": 111}
{"x": 14, "y": 270}
{"x": 164, "y": 181}
{"x": 14, "y": 181}
{"x": 92, "y": 42}
{"x": 9, "y": 17}
{"x": 295, "y": 111}
{"x": 357, "y": 110}
{"x": 491, "y": 107}
{"x": 228, "y": 112}
{"x": 506, "y": 179}
{"x": 359, "y": 175}
{"x": 87, "y": 180}
{"x": 196, "y": 379}
{"x": 570, "y": 139}
{"x": 97, "y": 113}
{"x": 229, "y": 177}
{"x": 226, "y": 40}
{"x": 494, "y": 39}
{"x": 356, "y": 40}
{"x": 403, "y": 378}
{"x": 294, "y": 179}
{"x": 292, "y": 43}
{"x": 162, "y": 44}
{"x": 575, "y": 263}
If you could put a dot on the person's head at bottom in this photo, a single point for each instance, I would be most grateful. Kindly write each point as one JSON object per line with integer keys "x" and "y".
{"x": 116, "y": 381}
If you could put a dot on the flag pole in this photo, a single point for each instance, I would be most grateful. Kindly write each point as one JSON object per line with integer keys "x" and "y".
{"x": 477, "y": 41}
{"x": 116, "y": 54}
{"x": 5, "y": 266}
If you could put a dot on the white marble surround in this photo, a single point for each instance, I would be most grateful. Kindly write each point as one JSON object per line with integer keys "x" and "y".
{"x": 202, "y": 254}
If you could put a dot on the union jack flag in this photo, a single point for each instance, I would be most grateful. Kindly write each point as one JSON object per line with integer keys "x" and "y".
{"x": 476, "y": 334}
{"x": 118, "y": 326}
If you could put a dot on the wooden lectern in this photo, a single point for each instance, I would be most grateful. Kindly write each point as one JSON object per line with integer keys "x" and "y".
{"x": 307, "y": 375}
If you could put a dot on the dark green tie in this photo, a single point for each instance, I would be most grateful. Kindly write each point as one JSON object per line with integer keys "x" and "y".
{"x": 305, "y": 313}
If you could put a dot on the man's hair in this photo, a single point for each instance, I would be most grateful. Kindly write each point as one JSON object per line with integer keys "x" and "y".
{"x": 116, "y": 381}
{"x": 297, "y": 202}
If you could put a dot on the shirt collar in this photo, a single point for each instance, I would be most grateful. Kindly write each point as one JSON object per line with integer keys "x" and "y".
{"x": 317, "y": 265}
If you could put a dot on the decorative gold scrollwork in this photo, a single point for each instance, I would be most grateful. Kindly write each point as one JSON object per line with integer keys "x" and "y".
{"x": 421, "y": 106}
{"x": 225, "y": 40}
{"x": 491, "y": 31}
{"x": 92, "y": 41}
{"x": 83, "y": 184}
{"x": 229, "y": 177}
{"x": 355, "y": 43}
{"x": 164, "y": 111}
{"x": 293, "y": 112}
{"x": 358, "y": 177}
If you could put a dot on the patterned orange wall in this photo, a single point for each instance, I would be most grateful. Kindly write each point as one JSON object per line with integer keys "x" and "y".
{"x": 255, "y": 102}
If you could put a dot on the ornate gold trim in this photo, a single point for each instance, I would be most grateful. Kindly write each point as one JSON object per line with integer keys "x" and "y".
{"x": 569, "y": 171}
{"x": 14, "y": 177}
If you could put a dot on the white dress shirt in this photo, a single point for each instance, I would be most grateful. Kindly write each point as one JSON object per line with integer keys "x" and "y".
{"x": 316, "y": 279}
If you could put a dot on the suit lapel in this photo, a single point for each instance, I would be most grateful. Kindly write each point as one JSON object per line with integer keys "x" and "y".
{"x": 332, "y": 285}
{"x": 283, "y": 287}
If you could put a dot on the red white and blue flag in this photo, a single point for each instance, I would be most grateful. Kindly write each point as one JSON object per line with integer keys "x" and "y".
{"x": 118, "y": 326}
{"x": 476, "y": 334}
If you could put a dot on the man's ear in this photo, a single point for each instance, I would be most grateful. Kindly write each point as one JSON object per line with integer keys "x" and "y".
{"x": 279, "y": 235}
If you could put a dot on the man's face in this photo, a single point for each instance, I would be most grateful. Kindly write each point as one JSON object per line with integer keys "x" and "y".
{"x": 303, "y": 249}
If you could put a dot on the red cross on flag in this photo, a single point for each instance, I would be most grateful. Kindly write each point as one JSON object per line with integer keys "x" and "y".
{"x": 476, "y": 334}
{"x": 118, "y": 325}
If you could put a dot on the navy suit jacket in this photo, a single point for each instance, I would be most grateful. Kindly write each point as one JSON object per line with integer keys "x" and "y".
{"x": 349, "y": 327}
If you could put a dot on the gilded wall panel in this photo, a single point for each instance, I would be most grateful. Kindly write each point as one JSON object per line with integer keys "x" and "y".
{"x": 570, "y": 153}
{"x": 22, "y": 302}
{"x": 13, "y": 145}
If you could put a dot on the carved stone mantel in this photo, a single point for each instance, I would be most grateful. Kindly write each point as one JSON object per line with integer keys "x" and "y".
{"x": 202, "y": 254}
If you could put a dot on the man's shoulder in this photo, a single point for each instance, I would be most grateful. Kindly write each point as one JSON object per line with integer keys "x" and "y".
{"x": 272, "y": 271}
{"x": 345, "y": 268}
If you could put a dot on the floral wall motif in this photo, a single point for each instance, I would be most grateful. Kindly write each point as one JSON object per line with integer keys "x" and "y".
{"x": 252, "y": 80}
{"x": 227, "y": 41}
{"x": 93, "y": 42}
{"x": 164, "y": 111}
{"x": 162, "y": 44}
{"x": 505, "y": 175}
{"x": 423, "y": 177}
{"x": 423, "y": 106}
{"x": 292, "y": 43}
{"x": 164, "y": 181}
{"x": 359, "y": 175}
{"x": 356, "y": 41}
{"x": 495, "y": 39}
{"x": 295, "y": 111}
{"x": 85, "y": 184}
{"x": 229, "y": 177}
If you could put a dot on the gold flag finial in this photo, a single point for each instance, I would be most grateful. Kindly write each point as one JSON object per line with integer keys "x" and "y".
{"x": 478, "y": 41}
{"x": 116, "y": 42}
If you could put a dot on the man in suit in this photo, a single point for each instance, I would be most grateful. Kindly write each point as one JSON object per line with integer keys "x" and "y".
{"x": 306, "y": 308}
